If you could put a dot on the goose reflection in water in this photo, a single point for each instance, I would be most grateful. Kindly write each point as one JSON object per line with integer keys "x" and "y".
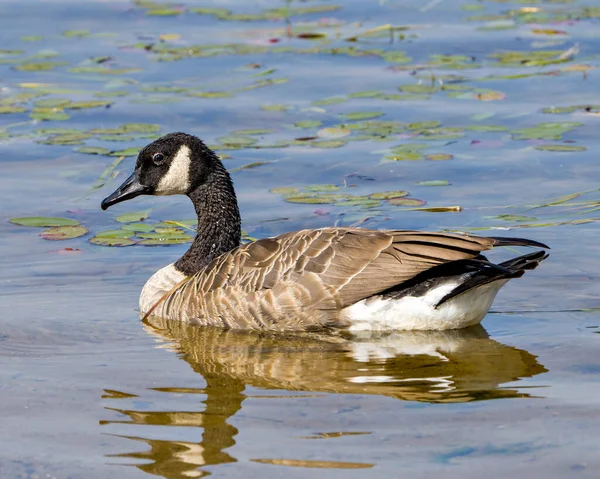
{"x": 426, "y": 366}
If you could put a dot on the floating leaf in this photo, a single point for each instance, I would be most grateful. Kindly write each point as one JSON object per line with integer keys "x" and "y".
{"x": 126, "y": 152}
{"x": 111, "y": 241}
{"x": 11, "y": 109}
{"x": 237, "y": 141}
{"x": 364, "y": 202}
{"x": 330, "y": 100}
{"x": 93, "y": 150}
{"x": 545, "y": 131}
{"x": 138, "y": 227}
{"x": 76, "y": 33}
{"x": 333, "y": 132}
{"x": 328, "y": 143}
{"x": 64, "y": 232}
{"x": 562, "y": 148}
{"x": 140, "y": 127}
{"x": 52, "y": 102}
{"x": 362, "y": 115}
{"x": 39, "y": 66}
{"x": 433, "y": 183}
{"x": 274, "y": 107}
{"x": 257, "y": 131}
{"x": 385, "y": 195}
{"x": 49, "y": 115}
{"x": 80, "y": 105}
{"x": 311, "y": 200}
{"x": 406, "y": 202}
{"x": 307, "y": 124}
{"x": 285, "y": 190}
{"x": 43, "y": 221}
{"x": 133, "y": 217}
{"x": 122, "y": 233}
{"x": 322, "y": 188}
{"x": 439, "y": 157}
{"x": 249, "y": 166}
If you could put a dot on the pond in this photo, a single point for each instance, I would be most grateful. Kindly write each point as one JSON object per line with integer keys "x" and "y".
{"x": 477, "y": 116}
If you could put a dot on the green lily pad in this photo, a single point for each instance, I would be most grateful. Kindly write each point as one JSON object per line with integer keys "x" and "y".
{"x": 406, "y": 202}
{"x": 76, "y": 33}
{"x": 52, "y": 102}
{"x": 140, "y": 127}
{"x": 43, "y": 221}
{"x": 328, "y": 143}
{"x": 439, "y": 157}
{"x": 138, "y": 227}
{"x": 333, "y": 132}
{"x": 6, "y": 109}
{"x": 122, "y": 233}
{"x": 307, "y": 124}
{"x": 49, "y": 115}
{"x": 274, "y": 107}
{"x": 310, "y": 200}
{"x": 405, "y": 156}
{"x": 210, "y": 94}
{"x": 321, "y": 188}
{"x": 545, "y": 131}
{"x": 330, "y": 100}
{"x": 237, "y": 141}
{"x": 93, "y": 150}
{"x": 257, "y": 131}
{"x": 64, "y": 232}
{"x": 126, "y": 152}
{"x": 386, "y": 195}
{"x": 433, "y": 183}
{"x": 285, "y": 190}
{"x": 39, "y": 66}
{"x": 133, "y": 217}
{"x": 365, "y": 202}
{"x": 114, "y": 137}
{"x": 562, "y": 148}
{"x": 111, "y": 241}
{"x": 362, "y": 115}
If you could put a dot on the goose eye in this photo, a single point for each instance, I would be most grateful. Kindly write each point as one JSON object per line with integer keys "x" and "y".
{"x": 158, "y": 158}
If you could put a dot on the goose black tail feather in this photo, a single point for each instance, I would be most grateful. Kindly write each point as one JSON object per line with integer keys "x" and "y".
{"x": 489, "y": 272}
{"x": 501, "y": 241}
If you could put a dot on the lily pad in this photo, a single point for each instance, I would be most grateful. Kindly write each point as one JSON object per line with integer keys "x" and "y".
{"x": 439, "y": 157}
{"x": 133, "y": 217}
{"x": 122, "y": 233}
{"x": 112, "y": 241}
{"x": 64, "y": 232}
{"x": 93, "y": 150}
{"x": 138, "y": 227}
{"x": 165, "y": 241}
{"x": 126, "y": 152}
{"x": 362, "y": 115}
{"x": 562, "y": 148}
{"x": 386, "y": 195}
{"x": 43, "y": 221}
{"x": 433, "y": 183}
{"x": 333, "y": 132}
{"x": 406, "y": 202}
{"x": 307, "y": 124}
{"x": 5, "y": 109}
{"x": 237, "y": 141}
{"x": 328, "y": 143}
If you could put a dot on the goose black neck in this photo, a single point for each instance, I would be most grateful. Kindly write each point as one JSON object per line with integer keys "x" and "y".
{"x": 219, "y": 223}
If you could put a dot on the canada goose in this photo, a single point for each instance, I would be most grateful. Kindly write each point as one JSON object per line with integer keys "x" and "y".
{"x": 330, "y": 277}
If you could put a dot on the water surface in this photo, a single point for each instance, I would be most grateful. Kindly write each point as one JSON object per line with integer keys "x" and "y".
{"x": 498, "y": 104}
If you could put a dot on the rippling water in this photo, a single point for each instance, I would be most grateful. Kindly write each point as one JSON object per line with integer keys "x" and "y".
{"x": 498, "y": 104}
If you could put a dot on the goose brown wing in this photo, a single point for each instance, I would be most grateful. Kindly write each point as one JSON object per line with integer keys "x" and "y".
{"x": 303, "y": 279}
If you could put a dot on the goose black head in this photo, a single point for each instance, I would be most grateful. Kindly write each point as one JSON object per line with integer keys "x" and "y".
{"x": 174, "y": 164}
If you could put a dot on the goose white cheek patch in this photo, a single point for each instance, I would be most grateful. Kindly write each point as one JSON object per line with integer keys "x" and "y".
{"x": 177, "y": 179}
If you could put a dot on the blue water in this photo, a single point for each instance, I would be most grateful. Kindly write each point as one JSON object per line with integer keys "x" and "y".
{"x": 88, "y": 391}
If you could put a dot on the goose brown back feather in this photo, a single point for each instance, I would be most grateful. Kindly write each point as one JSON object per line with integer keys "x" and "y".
{"x": 302, "y": 280}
